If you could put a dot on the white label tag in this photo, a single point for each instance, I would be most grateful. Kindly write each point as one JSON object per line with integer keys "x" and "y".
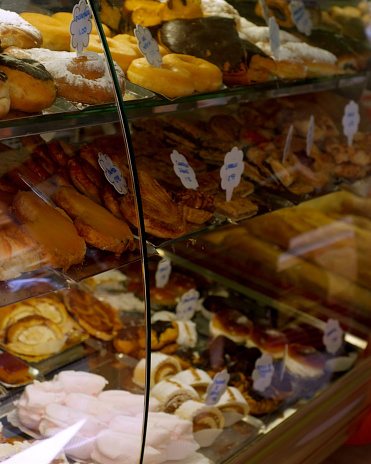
{"x": 333, "y": 336}
{"x": 265, "y": 11}
{"x": 183, "y": 170}
{"x": 231, "y": 171}
{"x": 80, "y": 26}
{"x": 263, "y": 373}
{"x": 187, "y": 305}
{"x": 113, "y": 174}
{"x": 287, "y": 144}
{"x": 148, "y": 46}
{"x": 351, "y": 120}
{"x": 163, "y": 272}
{"x": 310, "y": 135}
{"x": 301, "y": 17}
{"x": 274, "y": 36}
{"x": 217, "y": 387}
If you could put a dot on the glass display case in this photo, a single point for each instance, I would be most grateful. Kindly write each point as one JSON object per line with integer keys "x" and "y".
{"x": 185, "y": 232}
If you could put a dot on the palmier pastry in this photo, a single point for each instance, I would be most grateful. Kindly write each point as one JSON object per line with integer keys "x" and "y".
{"x": 79, "y": 174}
{"x": 197, "y": 207}
{"x": 17, "y": 32}
{"x": 161, "y": 216}
{"x": 94, "y": 223}
{"x": 35, "y": 336}
{"x": 96, "y": 317}
{"x": 25, "y": 74}
{"x": 60, "y": 244}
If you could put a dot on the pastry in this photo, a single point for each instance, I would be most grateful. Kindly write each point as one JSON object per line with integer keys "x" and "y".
{"x": 60, "y": 245}
{"x": 17, "y": 32}
{"x": 197, "y": 207}
{"x": 34, "y": 336}
{"x": 80, "y": 382}
{"x": 94, "y": 223}
{"x": 162, "y": 366}
{"x": 187, "y": 337}
{"x": 172, "y": 393}
{"x": 232, "y": 401}
{"x": 24, "y": 74}
{"x": 202, "y": 415}
{"x": 268, "y": 340}
{"x": 12, "y": 369}
{"x": 304, "y": 361}
{"x": 163, "y": 334}
{"x": 96, "y": 317}
{"x": 196, "y": 378}
{"x": 161, "y": 216}
{"x": 232, "y": 324}
{"x": 4, "y": 95}
{"x": 86, "y": 179}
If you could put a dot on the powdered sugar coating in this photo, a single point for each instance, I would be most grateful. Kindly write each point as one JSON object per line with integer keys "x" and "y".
{"x": 249, "y": 31}
{"x": 9, "y": 18}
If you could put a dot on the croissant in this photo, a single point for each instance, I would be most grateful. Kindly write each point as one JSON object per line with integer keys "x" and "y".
{"x": 161, "y": 216}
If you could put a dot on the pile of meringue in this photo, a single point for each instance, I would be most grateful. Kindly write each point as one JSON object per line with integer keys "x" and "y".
{"x": 113, "y": 427}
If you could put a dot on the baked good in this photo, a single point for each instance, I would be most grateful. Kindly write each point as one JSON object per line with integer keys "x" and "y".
{"x": 94, "y": 223}
{"x": 187, "y": 334}
{"x": 304, "y": 361}
{"x": 172, "y": 393}
{"x": 24, "y": 74}
{"x": 202, "y": 415}
{"x": 17, "y": 32}
{"x": 86, "y": 179}
{"x": 278, "y": 9}
{"x": 131, "y": 340}
{"x": 232, "y": 401}
{"x": 84, "y": 78}
{"x": 196, "y": 378}
{"x": 268, "y": 340}
{"x": 197, "y": 207}
{"x": 206, "y": 76}
{"x": 4, "y": 95}
{"x": 96, "y": 317}
{"x": 232, "y": 324}
{"x": 34, "y": 336}
{"x": 161, "y": 216}
{"x": 60, "y": 244}
{"x": 163, "y": 334}
{"x": 162, "y": 366}
{"x": 12, "y": 369}
{"x": 170, "y": 80}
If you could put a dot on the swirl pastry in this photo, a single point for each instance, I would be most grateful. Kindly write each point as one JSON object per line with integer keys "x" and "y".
{"x": 95, "y": 316}
{"x": 162, "y": 366}
{"x": 196, "y": 378}
{"x": 35, "y": 336}
{"x": 202, "y": 415}
{"x": 172, "y": 393}
{"x": 232, "y": 400}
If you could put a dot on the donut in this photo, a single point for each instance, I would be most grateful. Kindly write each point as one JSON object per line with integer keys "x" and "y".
{"x": 84, "y": 78}
{"x": 17, "y": 32}
{"x": 206, "y": 76}
{"x": 4, "y": 95}
{"x": 31, "y": 86}
{"x": 170, "y": 80}
{"x": 132, "y": 42}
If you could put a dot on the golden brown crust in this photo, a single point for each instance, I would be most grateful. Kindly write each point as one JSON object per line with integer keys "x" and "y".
{"x": 111, "y": 200}
{"x": 80, "y": 179}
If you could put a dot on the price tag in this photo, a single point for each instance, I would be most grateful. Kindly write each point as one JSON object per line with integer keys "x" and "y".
{"x": 148, "y": 46}
{"x": 301, "y": 17}
{"x": 231, "y": 171}
{"x": 263, "y": 373}
{"x": 351, "y": 121}
{"x": 274, "y": 36}
{"x": 113, "y": 173}
{"x": 265, "y": 11}
{"x": 163, "y": 272}
{"x": 333, "y": 336}
{"x": 310, "y": 135}
{"x": 187, "y": 305}
{"x": 217, "y": 387}
{"x": 80, "y": 26}
{"x": 183, "y": 170}
{"x": 287, "y": 144}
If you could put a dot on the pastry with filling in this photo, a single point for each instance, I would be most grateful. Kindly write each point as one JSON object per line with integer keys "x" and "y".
{"x": 162, "y": 367}
{"x": 172, "y": 393}
{"x": 201, "y": 415}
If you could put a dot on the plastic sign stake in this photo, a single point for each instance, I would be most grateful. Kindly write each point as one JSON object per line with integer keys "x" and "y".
{"x": 163, "y": 272}
{"x": 46, "y": 450}
{"x": 263, "y": 373}
{"x": 80, "y": 26}
{"x": 187, "y": 305}
{"x": 113, "y": 173}
{"x": 351, "y": 120}
{"x": 287, "y": 144}
{"x": 183, "y": 170}
{"x": 148, "y": 46}
{"x": 310, "y": 135}
{"x": 274, "y": 36}
{"x": 217, "y": 387}
{"x": 231, "y": 171}
{"x": 333, "y": 336}
{"x": 301, "y": 17}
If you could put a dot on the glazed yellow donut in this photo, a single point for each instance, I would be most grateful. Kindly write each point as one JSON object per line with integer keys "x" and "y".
{"x": 121, "y": 53}
{"x": 206, "y": 76}
{"x": 130, "y": 40}
{"x": 170, "y": 80}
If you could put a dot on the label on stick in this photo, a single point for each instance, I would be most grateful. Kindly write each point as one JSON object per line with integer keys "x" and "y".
{"x": 80, "y": 26}
{"x": 148, "y": 46}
